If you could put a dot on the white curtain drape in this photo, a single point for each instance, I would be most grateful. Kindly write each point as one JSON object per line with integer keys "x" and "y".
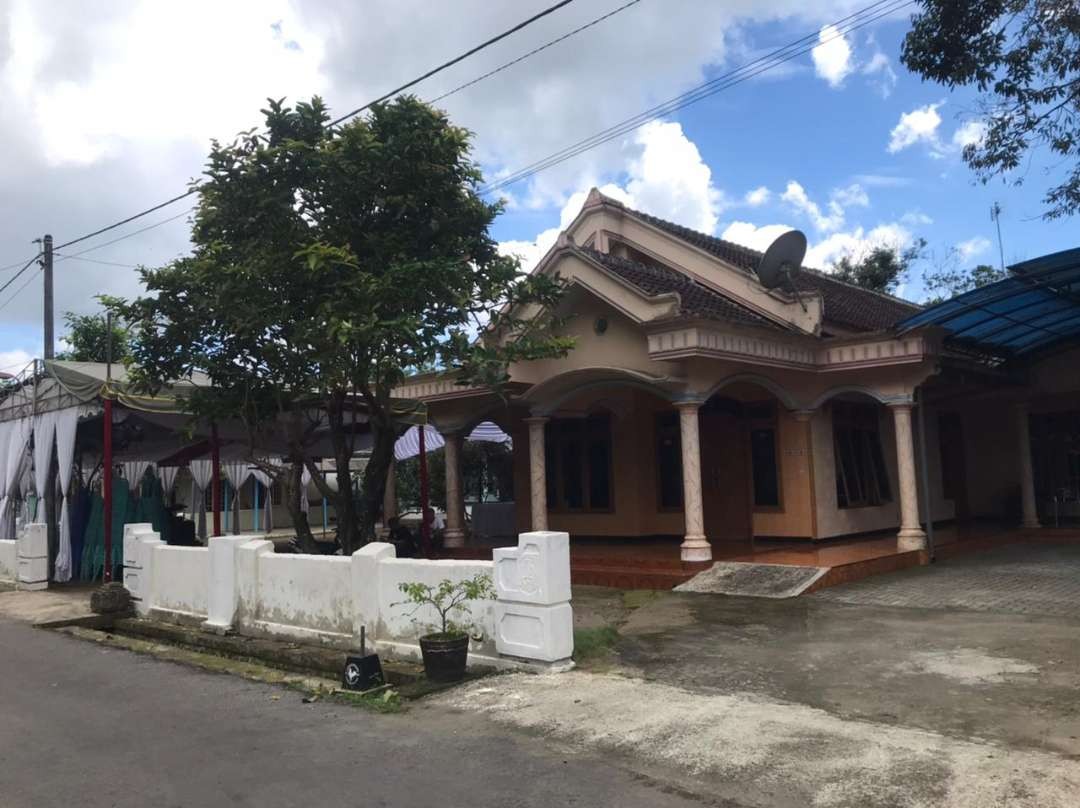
{"x": 44, "y": 433}
{"x": 133, "y": 473}
{"x": 201, "y": 473}
{"x": 6, "y": 428}
{"x": 25, "y": 484}
{"x": 66, "y": 424}
{"x": 267, "y": 504}
{"x": 167, "y": 475}
{"x": 305, "y": 480}
{"x": 236, "y": 472}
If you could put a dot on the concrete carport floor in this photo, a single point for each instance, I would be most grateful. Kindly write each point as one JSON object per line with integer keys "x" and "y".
{"x": 815, "y": 701}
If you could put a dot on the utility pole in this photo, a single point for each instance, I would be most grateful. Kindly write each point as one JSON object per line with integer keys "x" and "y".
{"x": 995, "y": 216}
{"x": 47, "y": 265}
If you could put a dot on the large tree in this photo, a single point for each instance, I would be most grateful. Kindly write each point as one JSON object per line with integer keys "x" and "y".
{"x": 88, "y": 336}
{"x": 328, "y": 263}
{"x": 881, "y": 269}
{"x": 1023, "y": 57}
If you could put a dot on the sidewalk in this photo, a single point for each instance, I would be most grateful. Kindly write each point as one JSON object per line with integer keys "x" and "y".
{"x": 60, "y": 603}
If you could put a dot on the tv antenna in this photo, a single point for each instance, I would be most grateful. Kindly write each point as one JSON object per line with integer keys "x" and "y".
{"x": 782, "y": 262}
{"x": 995, "y": 217}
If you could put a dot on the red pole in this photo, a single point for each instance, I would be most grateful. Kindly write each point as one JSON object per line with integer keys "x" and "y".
{"x": 425, "y": 526}
{"x": 106, "y": 490}
{"x": 215, "y": 481}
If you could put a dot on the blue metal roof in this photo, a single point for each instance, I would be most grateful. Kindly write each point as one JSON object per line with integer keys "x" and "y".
{"x": 1037, "y": 307}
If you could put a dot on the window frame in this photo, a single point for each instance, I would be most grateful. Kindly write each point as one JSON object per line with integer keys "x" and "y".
{"x": 858, "y": 425}
{"x": 557, "y": 434}
{"x": 661, "y": 430}
{"x": 770, "y": 422}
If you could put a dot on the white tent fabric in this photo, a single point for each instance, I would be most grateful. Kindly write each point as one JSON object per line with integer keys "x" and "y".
{"x": 6, "y": 428}
{"x": 267, "y": 503}
{"x": 236, "y": 472}
{"x": 408, "y": 445}
{"x": 133, "y": 473}
{"x": 67, "y": 422}
{"x": 305, "y": 481}
{"x": 201, "y": 473}
{"x": 167, "y": 475}
{"x": 44, "y": 433}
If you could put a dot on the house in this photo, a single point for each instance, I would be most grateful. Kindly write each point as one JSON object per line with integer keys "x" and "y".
{"x": 701, "y": 406}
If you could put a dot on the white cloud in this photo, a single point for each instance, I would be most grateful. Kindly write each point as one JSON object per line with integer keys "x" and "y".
{"x": 972, "y": 247}
{"x": 916, "y": 218}
{"x": 757, "y": 197}
{"x": 969, "y": 133}
{"x": 857, "y": 242}
{"x": 918, "y": 126}
{"x": 882, "y": 180}
{"x": 14, "y": 361}
{"x": 666, "y": 177}
{"x": 752, "y": 236}
{"x": 832, "y": 218}
{"x": 832, "y": 56}
{"x": 881, "y": 74}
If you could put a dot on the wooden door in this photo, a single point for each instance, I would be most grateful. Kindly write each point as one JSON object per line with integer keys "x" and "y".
{"x": 725, "y": 476}
{"x": 953, "y": 464}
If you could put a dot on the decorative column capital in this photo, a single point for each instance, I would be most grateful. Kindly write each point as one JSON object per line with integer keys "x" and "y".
{"x": 688, "y": 404}
{"x": 536, "y": 419}
{"x": 900, "y": 404}
{"x": 803, "y": 416}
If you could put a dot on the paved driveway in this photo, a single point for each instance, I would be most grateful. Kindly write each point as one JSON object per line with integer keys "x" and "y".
{"x": 1035, "y": 579}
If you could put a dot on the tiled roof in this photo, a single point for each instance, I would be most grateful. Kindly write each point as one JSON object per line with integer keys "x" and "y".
{"x": 696, "y": 300}
{"x": 845, "y": 305}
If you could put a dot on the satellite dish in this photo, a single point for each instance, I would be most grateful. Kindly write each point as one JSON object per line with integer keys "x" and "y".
{"x": 782, "y": 261}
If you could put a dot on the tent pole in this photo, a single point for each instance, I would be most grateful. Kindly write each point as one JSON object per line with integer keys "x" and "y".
{"x": 425, "y": 525}
{"x": 215, "y": 480}
{"x": 107, "y": 490}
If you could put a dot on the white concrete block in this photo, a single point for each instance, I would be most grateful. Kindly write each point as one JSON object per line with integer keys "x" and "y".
{"x": 132, "y": 551}
{"x": 544, "y": 633}
{"x": 536, "y": 571}
{"x": 34, "y": 542}
{"x": 133, "y": 582}
{"x": 247, "y": 577}
{"x": 33, "y": 570}
{"x": 364, "y": 575}
{"x": 221, "y": 586}
{"x": 8, "y": 560}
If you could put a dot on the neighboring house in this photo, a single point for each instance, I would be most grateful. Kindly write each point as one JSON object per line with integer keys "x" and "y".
{"x": 698, "y": 403}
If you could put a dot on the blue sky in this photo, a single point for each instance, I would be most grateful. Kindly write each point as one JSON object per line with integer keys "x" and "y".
{"x": 109, "y": 110}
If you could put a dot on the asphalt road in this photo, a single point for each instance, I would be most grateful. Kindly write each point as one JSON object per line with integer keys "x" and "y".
{"x": 91, "y": 726}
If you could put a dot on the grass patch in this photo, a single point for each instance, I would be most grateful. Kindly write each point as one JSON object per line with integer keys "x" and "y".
{"x": 388, "y": 701}
{"x": 592, "y": 644}
{"x": 636, "y": 598}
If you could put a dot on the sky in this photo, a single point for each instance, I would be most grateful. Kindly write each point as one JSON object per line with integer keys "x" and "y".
{"x": 110, "y": 107}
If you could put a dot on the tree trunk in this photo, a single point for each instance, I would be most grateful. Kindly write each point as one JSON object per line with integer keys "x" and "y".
{"x": 374, "y": 485}
{"x": 293, "y": 483}
{"x": 348, "y": 534}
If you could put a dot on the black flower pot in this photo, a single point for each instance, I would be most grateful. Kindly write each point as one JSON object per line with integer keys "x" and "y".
{"x": 444, "y": 656}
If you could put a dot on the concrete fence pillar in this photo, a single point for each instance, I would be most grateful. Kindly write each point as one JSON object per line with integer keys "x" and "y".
{"x": 32, "y": 558}
{"x": 533, "y": 616}
{"x": 222, "y": 590}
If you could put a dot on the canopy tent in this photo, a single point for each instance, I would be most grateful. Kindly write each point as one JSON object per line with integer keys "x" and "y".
{"x": 1035, "y": 309}
{"x": 81, "y": 406}
{"x": 408, "y": 445}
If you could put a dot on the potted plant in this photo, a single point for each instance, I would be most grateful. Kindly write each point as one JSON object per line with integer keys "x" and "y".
{"x": 445, "y": 651}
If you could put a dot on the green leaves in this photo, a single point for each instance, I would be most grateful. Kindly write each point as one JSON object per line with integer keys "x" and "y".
{"x": 1023, "y": 56}
{"x": 448, "y": 597}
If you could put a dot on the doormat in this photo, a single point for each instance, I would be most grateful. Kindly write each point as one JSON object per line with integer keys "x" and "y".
{"x": 753, "y": 580}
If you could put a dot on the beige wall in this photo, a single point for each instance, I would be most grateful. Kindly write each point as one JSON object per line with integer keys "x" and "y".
{"x": 795, "y": 519}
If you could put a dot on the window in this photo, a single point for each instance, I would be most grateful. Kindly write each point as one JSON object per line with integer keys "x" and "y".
{"x": 764, "y": 466}
{"x": 578, "y": 454}
{"x": 861, "y": 476}
{"x": 669, "y": 461}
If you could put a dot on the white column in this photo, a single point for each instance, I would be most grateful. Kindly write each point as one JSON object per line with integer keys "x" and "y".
{"x": 911, "y": 535}
{"x": 695, "y": 546}
{"x": 1027, "y": 474}
{"x": 537, "y": 473}
{"x": 455, "y": 501}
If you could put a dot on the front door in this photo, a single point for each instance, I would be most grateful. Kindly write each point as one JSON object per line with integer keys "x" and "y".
{"x": 725, "y": 474}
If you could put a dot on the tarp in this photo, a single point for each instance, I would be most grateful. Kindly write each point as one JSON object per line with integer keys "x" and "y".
{"x": 408, "y": 445}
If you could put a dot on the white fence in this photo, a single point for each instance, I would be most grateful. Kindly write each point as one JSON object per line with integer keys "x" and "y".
{"x": 24, "y": 562}
{"x": 239, "y": 584}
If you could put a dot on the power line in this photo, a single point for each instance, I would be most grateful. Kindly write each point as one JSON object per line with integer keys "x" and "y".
{"x": 128, "y": 235}
{"x": 97, "y": 261}
{"x": 455, "y": 60}
{"x": 852, "y": 22}
{"x": 18, "y": 291}
{"x": 15, "y": 277}
{"x": 194, "y": 189}
{"x": 16, "y": 264}
{"x": 534, "y": 51}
